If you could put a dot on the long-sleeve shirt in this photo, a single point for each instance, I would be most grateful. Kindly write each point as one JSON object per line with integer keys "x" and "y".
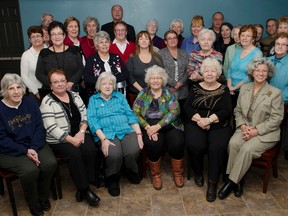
{"x": 28, "y": 67}
{"x": 280, "y": 78}
{"x": 229, "y": 57}
{"x": 114, "y": 117}
{"x": 130, "y": 48}
{"x": 21, "y": 128}
{"x": 237, "y": 71}
{"x": 168, "y": 105}
{"x": 188, "y": 45}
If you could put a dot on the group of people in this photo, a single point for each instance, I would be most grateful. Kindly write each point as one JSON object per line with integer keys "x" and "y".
{"x": 177, "y": 96}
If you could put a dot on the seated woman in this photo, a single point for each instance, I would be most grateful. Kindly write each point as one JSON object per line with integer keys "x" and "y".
{"x": 158, "y": 112}
{"x": 116, "y": 129}
{"x": 208, "y": 109}
{"x": 64, "y": 116}
{"x": 258, "y": 115}
{"x": 103, "y": 61}
{"x": 22, "y": 144}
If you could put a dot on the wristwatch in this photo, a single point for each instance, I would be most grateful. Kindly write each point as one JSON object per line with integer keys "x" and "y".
{"x": 211, "y": 120}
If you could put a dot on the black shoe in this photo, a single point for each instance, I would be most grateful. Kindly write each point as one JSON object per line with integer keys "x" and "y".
{"x": 113, "y": 185}
{"x": 45, "y": 206}
{"x": 226, "y": 189}
{"x": 133, "y": 177}
{"x": 79, "y": 196}
{"x": 100, "y": 182}
{"x": 199, "y": 180}
{"x": 90, "y": 197}
{"x": 238, "y": 190}
{"x": 36, "y": 212}
{"x": 211, "y": 191}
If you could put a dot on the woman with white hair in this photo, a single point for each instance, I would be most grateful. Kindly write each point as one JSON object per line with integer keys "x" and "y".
{"x": 152, "y": 27}
{"x": 158, "y": 112}
{"x": 116, "y": 130}
{"x": 178, "y": 26}
{"x": 206, "y": 38}
{"x": 102, "y": 61}
{"x": 258, "y": 114}
{"x": 208, "y": 110}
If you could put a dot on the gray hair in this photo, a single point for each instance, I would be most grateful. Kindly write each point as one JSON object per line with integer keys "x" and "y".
{"x": 204, "y": 31}
{"x": 101, "y": 35}
{"x": 177, "y": 21}
{"x": 105, "y": 75}
{"x": 155, "y": 69}
{"x": 151, "y": 21}
{"x": 88, "y": 20}
{"x": 260, "y": 61}
{"x": 211, "y": 62}
{"x": 10, "y": 79}
{"x": 233, "y": 30}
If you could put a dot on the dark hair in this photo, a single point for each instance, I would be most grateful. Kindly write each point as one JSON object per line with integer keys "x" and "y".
{"x": 34, "y": 29}
{"x": 55, "y": 71}
{"x": 270, "y": 19}
{"x": 218, "y": 12}
{"x": 170, "y": 32}
{"x": 56, "y": 24}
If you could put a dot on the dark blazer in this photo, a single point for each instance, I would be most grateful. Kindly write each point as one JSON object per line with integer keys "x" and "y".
{"x": 109, "y": 28}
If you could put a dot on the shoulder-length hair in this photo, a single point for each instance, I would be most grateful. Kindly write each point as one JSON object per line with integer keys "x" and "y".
{"x": 88, "y": 20}
{"x": 10, "y": 79}
{"x": 105, "y": 75}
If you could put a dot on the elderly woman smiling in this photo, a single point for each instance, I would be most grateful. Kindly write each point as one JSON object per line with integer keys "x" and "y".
{"x": 208, "y": 109}
{"x": 116, "y": 129}
{"x": 258, "y": 115}
{"x": 159, "y": 115}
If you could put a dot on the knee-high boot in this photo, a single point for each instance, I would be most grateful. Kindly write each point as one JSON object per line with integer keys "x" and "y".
{"x": 155, "y": 174}
{"x": 177, "y": 171}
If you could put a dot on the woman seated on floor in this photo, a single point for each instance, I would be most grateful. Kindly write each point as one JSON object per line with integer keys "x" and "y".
{"x": 258, "y": 114}
{"x": 22, "y": 144}
{"x": 116, "y": 129}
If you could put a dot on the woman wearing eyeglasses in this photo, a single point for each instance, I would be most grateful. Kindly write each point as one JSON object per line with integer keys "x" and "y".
{"x": 59, "y": 56}
{"x": 29, "y": 60}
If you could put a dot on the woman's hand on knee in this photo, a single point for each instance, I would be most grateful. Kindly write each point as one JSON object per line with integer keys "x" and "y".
{"x": 105, "y": 146}
{"x": 140, "y": 141}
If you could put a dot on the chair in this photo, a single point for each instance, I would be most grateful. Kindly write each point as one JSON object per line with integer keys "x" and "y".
{"x": 9, "y": 177}
{"x": 121, "y": 87}
{"x": 269, "y": 158}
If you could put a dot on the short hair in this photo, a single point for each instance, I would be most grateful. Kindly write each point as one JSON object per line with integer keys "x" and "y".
{"x": 101, "y": 35}
{"x": 155, "y": 69}
{"x": 105, "y": 75}
{"x": 151, "y": 21}
{"x": 120, "y": 23}
{"x": 56, "y": 71}
{"x": 218, "y": 12}
{"x": 116, "y": 5}
{"x": 169, "y": 32}
{"x": 88, "y": 20}
{"x": 70, "y": 19}
{"x": 34, "y": 29}
{"x": 260, "y": 26}
{"x": 270, "y": 19}
{"x": 10, "y": 79}
{"x": 56, "y": 24}
{"x": 204, "y": 31}
{"x": 259, "y": 61}
{"x": 197, "y": 20}
{"x": 233, "y": 30}
{"x": 47, "y": 14}
{"x": 281, "y": 35}
{"x": 211, "y": 62}
{"x": 282, "y": 20}
{"x": 252, "y": 28}
{"x": 177, "y": 21}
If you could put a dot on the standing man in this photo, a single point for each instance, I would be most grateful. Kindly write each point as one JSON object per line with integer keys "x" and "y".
{"x": 46, "y": 19}
{"x": 117, "y": 15}
{"x": 271, "y": 29}
{"x": 217, "y": 21}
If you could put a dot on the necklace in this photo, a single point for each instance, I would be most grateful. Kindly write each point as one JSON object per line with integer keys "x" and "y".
{"x": 63, "y": 55}
{"x": 89, "y": 43}
{"x": 67, "y": 108}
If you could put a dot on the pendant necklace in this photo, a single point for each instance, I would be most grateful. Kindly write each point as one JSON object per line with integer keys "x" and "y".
{"x": 67, "y": 108}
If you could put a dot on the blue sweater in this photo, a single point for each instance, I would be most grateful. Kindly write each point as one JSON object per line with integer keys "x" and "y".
{"x": 21, "y": 129}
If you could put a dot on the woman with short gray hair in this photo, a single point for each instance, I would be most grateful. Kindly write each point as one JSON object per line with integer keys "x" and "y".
{"x": 152, "y": 27}
{"x": 178, "y": 26}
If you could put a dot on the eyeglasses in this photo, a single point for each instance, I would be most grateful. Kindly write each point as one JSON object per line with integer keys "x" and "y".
{"x": 155, "y": 78}
{"x": 35, "y": 37}
{"x": 59, "y": 34}
{"x": 262, "y": 71}
{"x": 55, "y": 82}
{"x": 281, "y": 45}
{"x": 245, "y": 36}
{"x": 171, "y": 38}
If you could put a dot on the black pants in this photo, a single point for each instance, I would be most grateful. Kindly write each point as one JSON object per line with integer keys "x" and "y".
{"x": 214, "y": 142}
{"x": 171, "y": 137}
{"x": 81, "y": 161}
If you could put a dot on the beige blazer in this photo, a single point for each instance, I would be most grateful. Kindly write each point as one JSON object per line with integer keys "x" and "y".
{"x": 267, "y": 111}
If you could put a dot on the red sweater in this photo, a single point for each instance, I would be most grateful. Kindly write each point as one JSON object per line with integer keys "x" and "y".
{"x": 130, "y": 48}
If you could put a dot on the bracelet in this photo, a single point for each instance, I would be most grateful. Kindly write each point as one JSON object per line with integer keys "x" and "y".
{"x": 139, "y": 134}
{"x": 82, "y": 131}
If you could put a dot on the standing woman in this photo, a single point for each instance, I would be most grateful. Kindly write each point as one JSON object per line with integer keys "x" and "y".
{"x": 177, "y": 26}
{"x": 143, "y": 58}
{"x": 29, "y": 60}
{"x": 71, "y": 26}
{"x": 120, "y": 45}
{"x": 59, "y": 56}
{"x": 152, "y": 27}
{"x": 237, "y": 74}
{"x": 175, "y": 62}
{"x": 91, "y": 27}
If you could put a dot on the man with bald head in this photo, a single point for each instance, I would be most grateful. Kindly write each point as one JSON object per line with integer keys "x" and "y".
{"x": 117, "y": 15}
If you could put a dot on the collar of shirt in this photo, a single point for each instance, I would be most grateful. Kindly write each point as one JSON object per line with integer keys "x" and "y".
{"x": 121, "y": 47}
{"x": 114, "y": 94}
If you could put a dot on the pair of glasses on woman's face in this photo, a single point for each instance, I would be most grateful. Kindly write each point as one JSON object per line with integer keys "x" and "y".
{"x": 55, "y": 82}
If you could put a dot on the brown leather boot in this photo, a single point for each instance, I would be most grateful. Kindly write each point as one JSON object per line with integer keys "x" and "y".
{"x": 177, "y": 171}
{"x": 155, "y": 174}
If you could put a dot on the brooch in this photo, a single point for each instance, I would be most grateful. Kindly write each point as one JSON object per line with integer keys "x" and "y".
{"x": 269, "y": 93}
